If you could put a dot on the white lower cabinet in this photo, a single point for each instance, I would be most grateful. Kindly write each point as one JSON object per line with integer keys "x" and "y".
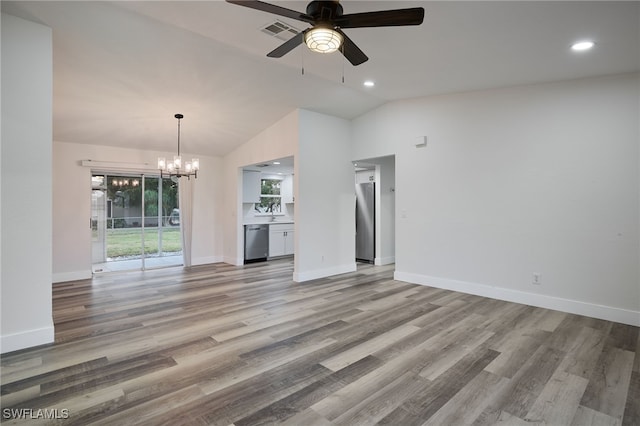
{"x": 280, "y": 240}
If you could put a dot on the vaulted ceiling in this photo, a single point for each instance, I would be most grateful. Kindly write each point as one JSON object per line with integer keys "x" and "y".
{"x": 123, "y": 69}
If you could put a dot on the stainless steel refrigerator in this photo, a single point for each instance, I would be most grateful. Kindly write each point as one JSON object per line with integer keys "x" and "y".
{"x": 365, "y": 222}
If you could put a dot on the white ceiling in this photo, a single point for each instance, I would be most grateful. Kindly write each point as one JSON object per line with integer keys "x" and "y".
{"x": 276, "y": 166}
{"x": 123, "y": 69}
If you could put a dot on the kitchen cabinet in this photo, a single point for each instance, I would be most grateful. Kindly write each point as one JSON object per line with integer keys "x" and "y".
{"x": 281, "y": 239}
{"x": 287, "y": 190}
{"x": 251, "y": 186}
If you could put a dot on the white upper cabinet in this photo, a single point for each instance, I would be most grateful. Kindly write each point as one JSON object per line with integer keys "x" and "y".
{"x": 287, "y": 190}
{"x": 251, "y": 186}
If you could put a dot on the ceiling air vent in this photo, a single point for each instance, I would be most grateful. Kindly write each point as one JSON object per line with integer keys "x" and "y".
{"x": 279, "y": 29}
{"x": 262, "y": 165}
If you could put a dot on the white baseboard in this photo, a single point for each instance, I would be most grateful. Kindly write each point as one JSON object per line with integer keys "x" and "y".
{"x": 233, "y": 261}
{"x": 379, "y": 261}
{"x": 323, "y": 273}
{"x": 26, "y": 339}
{"x": 72, "y": 276}
{"x": 206, "y": 260}
{"x": 624, "y": 316}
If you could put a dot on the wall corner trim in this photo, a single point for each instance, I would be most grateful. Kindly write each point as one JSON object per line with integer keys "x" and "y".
{"x": 323, "y": 273}
{"x": 380, "y": 261}
{"x": 206, "y": 260}
{"x": 233, "y": 261}
{"x": 26, "y": 339}
{"x": 62, "y": 277}
{"x": 624, "y": 316}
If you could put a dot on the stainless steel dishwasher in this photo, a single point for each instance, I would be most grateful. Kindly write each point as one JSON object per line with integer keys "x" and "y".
{"x": 256, "y": 243}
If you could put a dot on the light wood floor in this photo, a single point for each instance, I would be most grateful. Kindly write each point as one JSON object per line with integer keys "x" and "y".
{"x": 224, "y": 345}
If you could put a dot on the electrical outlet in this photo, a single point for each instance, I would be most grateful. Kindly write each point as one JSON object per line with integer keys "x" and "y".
{"x": 536, "y": 279}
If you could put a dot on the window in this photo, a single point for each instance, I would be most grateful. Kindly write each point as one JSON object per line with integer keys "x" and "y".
{"x": 270, "y": 197}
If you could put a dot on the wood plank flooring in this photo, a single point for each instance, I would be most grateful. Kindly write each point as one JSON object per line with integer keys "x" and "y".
{"x": 223, "y": 345}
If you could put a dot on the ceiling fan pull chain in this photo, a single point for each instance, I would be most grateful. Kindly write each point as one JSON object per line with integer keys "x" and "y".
{"x": 343, "y": 59}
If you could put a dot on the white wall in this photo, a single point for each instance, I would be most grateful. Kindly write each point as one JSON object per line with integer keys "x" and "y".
{"x": 323, "y": 190}
{"x": 278, "y": 141}
{"x": 71, "y": 210}
{"x": 325, "y": 198}
{"x": 385, "y": 210}
{"x": 25, "y": 173}
{"x": 535, "y": 179}
{"x": 72, "y": 205}
{"x": 207, "y": 238}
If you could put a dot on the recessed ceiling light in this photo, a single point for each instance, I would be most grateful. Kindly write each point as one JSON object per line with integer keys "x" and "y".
{"x": 582, "y": 45}
{"x": 276, "y": 162}
{"x": 369, "y": 83}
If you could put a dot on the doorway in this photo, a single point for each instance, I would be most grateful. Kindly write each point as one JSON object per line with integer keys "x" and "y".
{"x": 376, "y": 175}
{"x": 135, "y": 222}
{"x": 365, "y": 217}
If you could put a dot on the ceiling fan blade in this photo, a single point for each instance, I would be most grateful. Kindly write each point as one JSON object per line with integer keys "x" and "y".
{"x": 383, "y": 18}
{"x": 287, "y": 46}
{"x": 351, "y": 51}
{"x": 272, "y": 8}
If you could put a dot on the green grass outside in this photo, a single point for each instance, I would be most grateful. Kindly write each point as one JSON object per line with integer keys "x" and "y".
{"x": 126, "y": 241}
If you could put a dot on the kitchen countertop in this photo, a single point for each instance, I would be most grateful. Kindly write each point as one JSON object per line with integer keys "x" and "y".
{"x": 276, "y": 222}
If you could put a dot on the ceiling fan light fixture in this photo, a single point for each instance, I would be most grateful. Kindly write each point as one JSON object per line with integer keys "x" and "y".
{"x": 323, "y": 40}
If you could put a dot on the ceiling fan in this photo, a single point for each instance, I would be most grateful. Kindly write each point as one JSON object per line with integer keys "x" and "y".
{"x": 327, "y": 22}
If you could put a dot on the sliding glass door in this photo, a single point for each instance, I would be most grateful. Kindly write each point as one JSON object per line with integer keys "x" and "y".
{"x": 163, "y": 241}
{"x": 135, "y": 222}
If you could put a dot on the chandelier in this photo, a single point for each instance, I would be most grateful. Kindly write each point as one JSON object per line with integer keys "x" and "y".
{"x": 121, "y": 183}
{"x": 175, "y": 168}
